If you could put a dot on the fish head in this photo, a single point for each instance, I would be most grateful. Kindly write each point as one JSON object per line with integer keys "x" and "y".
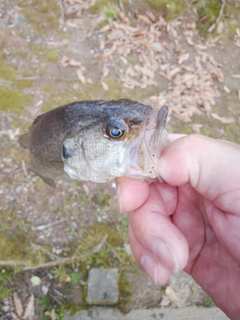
{"x": 123, "y": 138}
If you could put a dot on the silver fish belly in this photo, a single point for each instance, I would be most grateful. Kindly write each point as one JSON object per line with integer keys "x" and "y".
{"x": 97, "y": 141}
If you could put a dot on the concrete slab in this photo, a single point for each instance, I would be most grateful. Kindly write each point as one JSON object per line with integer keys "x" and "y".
{"x": 102, "y": 286}
{"x": 186, "y": 313}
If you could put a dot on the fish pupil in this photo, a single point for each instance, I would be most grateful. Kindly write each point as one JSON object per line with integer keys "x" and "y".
{"x": 115, "y": 132}
{"x": 65, "y": 152}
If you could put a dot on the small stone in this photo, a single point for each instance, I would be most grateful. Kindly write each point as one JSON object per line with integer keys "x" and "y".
{"x": 35, "y": 280}
{"x": 6, "y": 308}
{"x": 102, "y": 286}
{"x": 45, "y": 290}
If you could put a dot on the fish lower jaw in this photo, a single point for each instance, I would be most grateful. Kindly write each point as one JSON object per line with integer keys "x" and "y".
{"x": 70, "y": 172}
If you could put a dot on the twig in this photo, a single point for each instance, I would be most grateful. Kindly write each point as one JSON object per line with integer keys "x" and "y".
{"x": 121, "y": 6}
{"x": 45, "y": 226}
{"x": 55, "y": 263}
{"x": 56, "y": 299}
{"x": 10, "y": 263}
{"x": 62, "y": 11}
{"x": 24, "y": 168}
{"x": 115, "y": 253}
{"x": 47, "y": 78}
{"x": 51, "y": 255}
{"x": 62, "y": 261}
{"x": 213, "y": 26}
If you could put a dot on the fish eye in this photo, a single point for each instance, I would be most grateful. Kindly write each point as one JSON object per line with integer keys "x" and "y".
{"x": 115, "y": 129}
{"x": 116, "y": 132}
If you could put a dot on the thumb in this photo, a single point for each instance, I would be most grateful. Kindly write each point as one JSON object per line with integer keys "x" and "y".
{"x": 211, "y": 166}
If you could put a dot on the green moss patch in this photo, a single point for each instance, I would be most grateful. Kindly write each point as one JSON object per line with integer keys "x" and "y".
{"x": 169, "y": 9}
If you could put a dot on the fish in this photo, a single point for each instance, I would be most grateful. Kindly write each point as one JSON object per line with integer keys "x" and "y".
{"x": 97, "y": 141}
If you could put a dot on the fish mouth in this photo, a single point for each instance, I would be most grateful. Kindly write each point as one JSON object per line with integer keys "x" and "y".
{"x": 146, "y": 151}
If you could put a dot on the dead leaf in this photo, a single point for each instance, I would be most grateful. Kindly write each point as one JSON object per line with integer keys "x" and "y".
{"x": 64, "y": 61}
{"x": 89, "y": 80}
{"x": 197, "y": 127}
{"x": 200, "y": 47}
{"x": 74, "y": 63}
{"x": 29, "y": 313}
{"x": 224, "y": 120}
{"x": 144, "y": 19}
{"x": 174, "y": 71}
{"x": 190, "y": 41}
{"x": 102, "y": 45}
{"x": 14, "y": 316}
{"x": 183, "y": 58}
{"x": 105, "y": 86}
{"x": 80, "y": 75}
{"x": 51, "y": 314}
{"x": 236, "y": 76}
{"x": 165, "y": 301}
{"x": 18, "y": 304}
{"x": 171, "y": 294}
{"x": 214, "y": 40}
{"x": 220, "y": 27}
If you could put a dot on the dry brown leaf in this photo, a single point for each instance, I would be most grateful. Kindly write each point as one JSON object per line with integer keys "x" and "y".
{"x": 64, "y": 61}
{"x": 165, "y": 301}
{"x": 144, "y": 19}
{"x": 89, "y": 80}
{"x": 220, "y": 27}
{"x": 14, "y": 316}
{"x": 18, "y": 304}
{"x": 236, "y": 76}
{"x": 147, "y": 72}
{"x": 183, "y": 57}
{"x": 174, "y": 71}
{"x": 200, "y": 47}
{"x": 29, "y": 313}
{"x": 105, "y": 86}
{"x": 80, "y": 76}
{"x": 102, "y": 45}
{"x": 105, "y": 71}
{"x": 224, "y": 120}
{"x": 190, "y": 41}
{"x": 197, "y": 127}
{"x": 214, "y": 40}
{"x": 171, "y": 294}
{"x": 51, "y": 314}
{"x": 74, "y": 63}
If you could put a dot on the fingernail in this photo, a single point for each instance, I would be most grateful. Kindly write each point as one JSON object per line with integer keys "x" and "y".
{"x": 165, "y": 254}
{"x": 150, "y": 267}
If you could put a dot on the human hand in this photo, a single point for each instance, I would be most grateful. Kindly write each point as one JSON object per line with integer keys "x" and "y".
{"x": 192, "y": 221}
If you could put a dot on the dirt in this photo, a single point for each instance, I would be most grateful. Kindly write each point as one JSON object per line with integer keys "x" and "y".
{"x": 37, "y": 221}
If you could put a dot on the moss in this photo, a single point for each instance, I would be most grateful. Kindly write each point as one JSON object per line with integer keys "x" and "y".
{"x": 42, "y": 15}
{"x": 208, "y": 302}
{"x": 98, "y": 7}
{"x": 208, "y": 12}
{"x": 51, "y": 56}
{"x": 5, "y": 280}
{"x": 169, "y": 9}
{"x": 13, "y": 238}
{"x": 44, "y": 53}
{"x": 186, "y": 129}
{"x": 13, "y": 100}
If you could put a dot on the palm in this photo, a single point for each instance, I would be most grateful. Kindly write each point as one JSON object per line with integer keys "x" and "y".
{"x": 213, "y": 259}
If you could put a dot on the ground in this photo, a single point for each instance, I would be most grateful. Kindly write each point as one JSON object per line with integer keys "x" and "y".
{"x": 54, "y": 53}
